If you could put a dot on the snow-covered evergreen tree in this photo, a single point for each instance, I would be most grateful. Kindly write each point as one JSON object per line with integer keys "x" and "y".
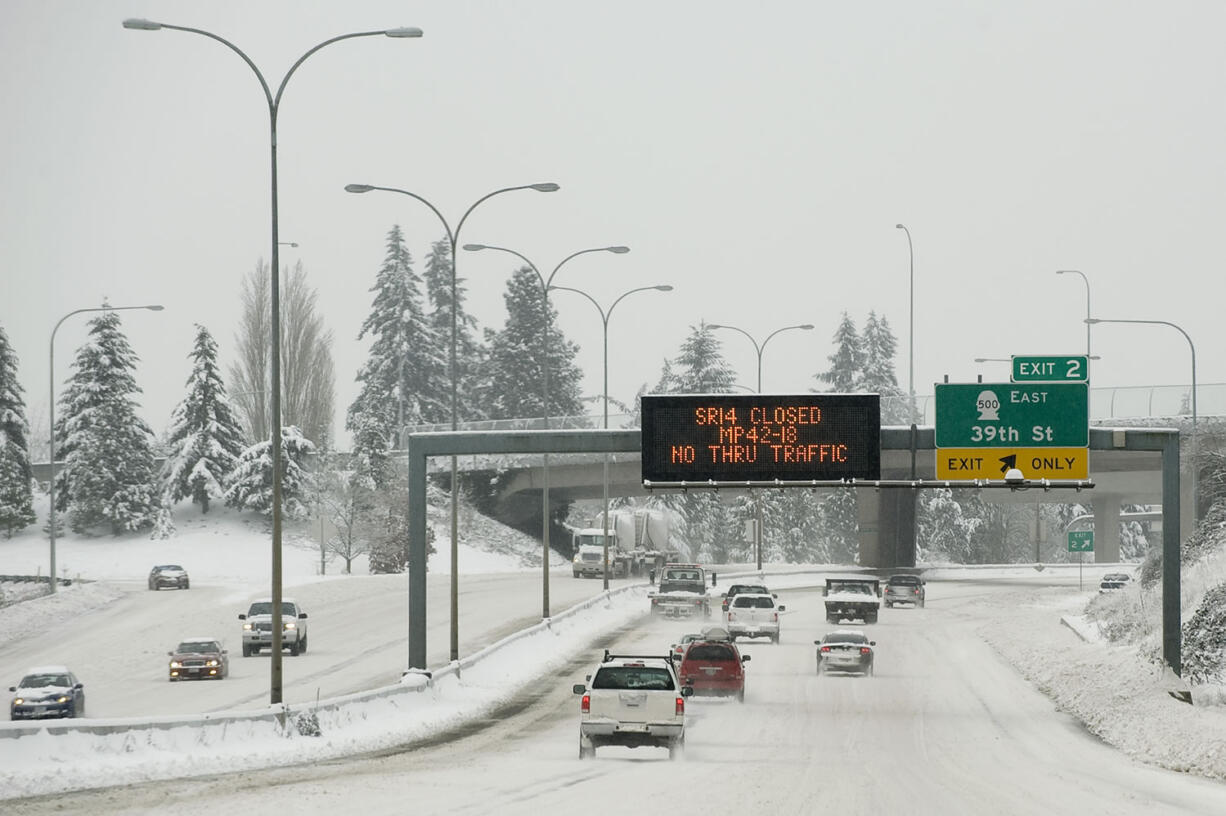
{"x": 513, "y": 373}
{"x": 878, "y": 375}
{"x": 943, "y": 533}
{"x": 847, "y": 361}
{"x": 469, "y": 352}
{"x": 840, "y": 526}
{"x": 699, "y": 367}
{"x": 206, "y": 434}
{"x": 109, "y": 475}
{"x": 16, "y": 495}
{"x": 400, "y": 377}
{"x": 250, "y": 485}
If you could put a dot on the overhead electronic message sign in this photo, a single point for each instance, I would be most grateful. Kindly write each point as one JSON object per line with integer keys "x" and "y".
{"x": 742, "y": 437}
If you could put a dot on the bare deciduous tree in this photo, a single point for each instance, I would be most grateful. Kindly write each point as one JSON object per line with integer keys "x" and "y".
{"x": 308, "y": 378}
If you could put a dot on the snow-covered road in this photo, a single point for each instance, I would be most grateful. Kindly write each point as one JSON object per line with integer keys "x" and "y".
{"x": 946, "y": 726}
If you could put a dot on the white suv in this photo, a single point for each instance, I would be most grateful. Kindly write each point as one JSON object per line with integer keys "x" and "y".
{"x": 753, "y": 615}
{"x": 633, "y": 700}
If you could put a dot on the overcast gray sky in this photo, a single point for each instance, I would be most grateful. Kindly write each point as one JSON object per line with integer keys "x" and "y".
{"x": 756, "y": 156}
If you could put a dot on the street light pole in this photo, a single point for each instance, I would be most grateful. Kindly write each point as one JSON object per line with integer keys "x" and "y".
{"x": 604, "y": 318}
{"x": 1192, "y": 348}
{"x": 546, "y": 283}
{"x": 453, "y": 237}
{"x": 274, "y": 106}
{"x": 1086, "y": 281}
{"x": 757, "y": 533}
{"x": 51, "y": 414}
{"x": 911, "y": 327}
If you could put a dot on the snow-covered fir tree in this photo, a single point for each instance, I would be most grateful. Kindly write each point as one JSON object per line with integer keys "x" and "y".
{"x": 942, "y": 533}
{"x": 700, "y": 367}
{"x": 878, "y": 375}
{"x": 206, "y": 434}
{"x": 400, "y": 376}
{"x": 109, "y": 475}
{"x": 840, "y": 526}
{"x": 250, "y": 485}
{"x": 513, "y": 376}
{"x": 16, "y": 495}
{"x": 847, "y": 361}
{"x": 469, "y": 352}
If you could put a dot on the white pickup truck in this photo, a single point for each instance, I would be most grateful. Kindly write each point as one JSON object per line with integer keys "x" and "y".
{"x": 753, "y": 615}
{"x": 632, "y": 700}
{"x": 257, "y": 627}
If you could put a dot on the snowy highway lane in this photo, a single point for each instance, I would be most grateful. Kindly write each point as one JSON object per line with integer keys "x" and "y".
{"x": 358, "y": 639}
{"x": 944, "y": 727}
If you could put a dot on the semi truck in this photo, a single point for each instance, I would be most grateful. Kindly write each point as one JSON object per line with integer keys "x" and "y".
{"x": 638, "y": 543}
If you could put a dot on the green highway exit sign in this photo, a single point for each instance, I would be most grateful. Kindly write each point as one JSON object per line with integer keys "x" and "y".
{"x": 1081, "y": 541}
{"x": 1069, "y": 368}
{"x": 1005, "y": 415}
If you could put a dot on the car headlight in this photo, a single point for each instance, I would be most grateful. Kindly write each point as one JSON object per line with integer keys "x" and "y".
{"x": 176, "y": 664}
{"x": 213, "y": 663}
{"x": 246, "y": 627}
{"x": 18, "y": 701}
{"x": 291, "y": 625}
{"x": 63, "y": 698}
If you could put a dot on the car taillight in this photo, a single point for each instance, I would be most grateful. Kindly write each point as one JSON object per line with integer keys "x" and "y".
{"x": 680, "y": 705}
{"x": 729, "y": 614}
{"x": 825, "y": 648}
{"x": 585, "y": 705}
{"x": 775, "y": 617}
{"x": 915, "y": 591}
{"x": 865, "y": 650}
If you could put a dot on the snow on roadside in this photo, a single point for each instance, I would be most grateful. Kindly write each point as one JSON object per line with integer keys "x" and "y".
{"x": 33, "y": 616}
{"x": 1120, "y": 697}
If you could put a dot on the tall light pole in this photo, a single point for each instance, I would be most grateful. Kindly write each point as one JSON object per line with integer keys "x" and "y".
{"x": 546, "y": 283}
{"x": 759, "y": 348}
{"x": 1195, "y": 445}
{"x": 1086, "y": 281}
{"x": 910, "y": 327}
{"x": 274, "y": 106}
{"x": 604, "y": 318}
{"x": 51, "y": 415}
{"x": 453, "y": 236}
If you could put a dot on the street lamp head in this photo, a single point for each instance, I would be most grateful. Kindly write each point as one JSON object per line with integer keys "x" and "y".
{"x": 716, "y": 326}
{"x": 664, "y": 287}
{"x": 358, "y": 188}
{"x": 474, "y": 247}
{"x": 546, "y": 187}
{"x": 1067, "y": 272}
{"x": 1092, "y": 320}
{"x": 402, "y": 33}
{"x": 618, "y": 250}
{"x": 141, "y": 25}
{"x": 805, "y": 326}
{"x": 155, "y": 308}
{"x": 899, "y": 226}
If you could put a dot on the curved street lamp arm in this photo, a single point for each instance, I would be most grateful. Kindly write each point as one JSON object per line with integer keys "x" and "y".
{"x": 272, "y": 104}
{"x": 476, "y": 203}
{"x": 451, "y": 236}
{"x": 562, "y": 262}
{"x": 757, "y": 349}
{"x": 805, "y": 326}
{"x": 624, "y": 295}
{"x": 277, "y": 102}
{"x": 604, "y": 318}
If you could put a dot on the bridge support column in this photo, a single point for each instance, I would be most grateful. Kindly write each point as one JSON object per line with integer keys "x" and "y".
{"x": 868, "y": 506}
{"x": 1107, "y": 528}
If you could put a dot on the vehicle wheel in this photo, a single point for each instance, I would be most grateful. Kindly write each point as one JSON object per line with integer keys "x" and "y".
{"x": 586, "y": 749}
{"x": 187, "y": 584}
{"x": 921, "y": 603}
{"x": 740, "y": 696}
{"x": 294, "y": 649}
{"x": 676, "y": 748}
{"x": 871, "y": 617}
{"x": 775, "y": 638}
{"x": 870, "y": 669}
{"x": 819, "y": 668}
{"x": 303, "y": 646}
{"x": 246, "y": 650}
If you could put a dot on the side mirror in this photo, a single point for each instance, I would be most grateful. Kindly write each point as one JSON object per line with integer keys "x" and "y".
{"x": 242, "y": 617}
{"x": 687, "y": 691}
{"x": 223, "y": 651}
{"x": 302, "y": 615}
{"x": 744, "y": 658}
{"x": 817, "y": 643}
{"x": 712, "y": 579}
{"x": 782, "y": 608}
{"x": 872, "y": 643}
{"x": 79, "y": 686}
{"x": 170, "y": 654}
{"x": 578, "y": 688}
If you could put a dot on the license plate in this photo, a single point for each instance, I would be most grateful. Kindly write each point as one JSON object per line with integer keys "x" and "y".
{"x": 635, "y": 727}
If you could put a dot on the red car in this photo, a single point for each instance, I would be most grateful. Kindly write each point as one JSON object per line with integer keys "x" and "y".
{"x": 714, "y": 667}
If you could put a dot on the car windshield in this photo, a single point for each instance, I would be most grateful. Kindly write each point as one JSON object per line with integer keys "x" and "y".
{"x": 199, "y": 646}
{"x": 45, "y": 680}
{"x": 167, "y": 568}
{"x": 633, "y": 677}
{"x": 710, "y": 651}
{"x": 681, "y": 575}
{"x": 844, "y": 637}
{"x": 906, "y": 580}
{"x": 265, "y": 608}
{"x": 746, "y": 601}
{"x": 855, "y": 589}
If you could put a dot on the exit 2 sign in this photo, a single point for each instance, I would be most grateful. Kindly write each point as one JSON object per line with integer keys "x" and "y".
{"x": 1068, "y": 368}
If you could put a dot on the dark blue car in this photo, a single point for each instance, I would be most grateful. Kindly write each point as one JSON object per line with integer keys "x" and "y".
{"x": 46, "y": 692}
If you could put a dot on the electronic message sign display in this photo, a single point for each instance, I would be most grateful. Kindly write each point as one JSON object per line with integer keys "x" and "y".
{"x": 761, "y": 437}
